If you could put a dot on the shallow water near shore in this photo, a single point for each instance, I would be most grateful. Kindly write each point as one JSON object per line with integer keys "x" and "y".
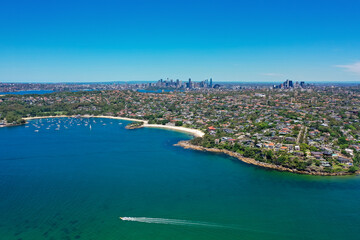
{"x": 74, "y": 182}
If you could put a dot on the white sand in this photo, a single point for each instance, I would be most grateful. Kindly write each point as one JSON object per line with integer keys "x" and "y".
{"x": 194, "y": 132}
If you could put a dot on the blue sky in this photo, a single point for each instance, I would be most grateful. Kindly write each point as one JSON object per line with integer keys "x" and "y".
{"x": 248, "y": 41}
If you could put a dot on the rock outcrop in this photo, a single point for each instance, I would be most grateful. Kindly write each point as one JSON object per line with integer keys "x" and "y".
{"x": 188, "y": 145}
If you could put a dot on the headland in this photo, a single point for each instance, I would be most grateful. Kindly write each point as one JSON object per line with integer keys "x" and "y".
{"x": 188, "y": 145}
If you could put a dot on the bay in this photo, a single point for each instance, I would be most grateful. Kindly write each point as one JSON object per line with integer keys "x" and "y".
{"x": 71, "y": 181}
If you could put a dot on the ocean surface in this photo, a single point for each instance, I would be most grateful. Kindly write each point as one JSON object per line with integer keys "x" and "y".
{"x": 61, "y": 179}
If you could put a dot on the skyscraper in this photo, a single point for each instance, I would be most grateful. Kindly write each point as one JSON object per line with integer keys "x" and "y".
{"x": 291, "y": 84}
{"x": 286, "y": 83}
{"x": 206, "y": 83}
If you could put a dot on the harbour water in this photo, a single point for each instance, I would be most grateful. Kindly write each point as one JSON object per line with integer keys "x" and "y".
{"x": 61, "y": 179}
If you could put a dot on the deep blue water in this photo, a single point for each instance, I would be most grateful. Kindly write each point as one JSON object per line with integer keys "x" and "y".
{"x": 75, "y": 183}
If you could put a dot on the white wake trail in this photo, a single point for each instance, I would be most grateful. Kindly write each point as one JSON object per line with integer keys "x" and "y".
{"x": 195, "y": 223}
{"x": 170, "y": 221}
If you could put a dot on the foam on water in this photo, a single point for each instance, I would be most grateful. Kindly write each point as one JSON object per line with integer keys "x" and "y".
{"x": 196, "y": 223}
{"x": 171, "y": 221}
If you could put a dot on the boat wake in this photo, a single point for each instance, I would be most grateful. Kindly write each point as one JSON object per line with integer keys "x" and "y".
{"x": 196, "y": 224}
{"x": 171, "y": 221}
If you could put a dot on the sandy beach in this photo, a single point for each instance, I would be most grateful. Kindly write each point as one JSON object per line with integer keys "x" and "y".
{"x": 198, "y": 133}
{"x": 194, "y": 132}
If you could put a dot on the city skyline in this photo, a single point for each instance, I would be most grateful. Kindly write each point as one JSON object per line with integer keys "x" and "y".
{"x": 261, "y": 41}
{"x": 182, "y": 119}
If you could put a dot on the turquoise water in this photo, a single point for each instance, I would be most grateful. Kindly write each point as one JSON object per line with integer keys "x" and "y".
{"x": 75, "y": 183}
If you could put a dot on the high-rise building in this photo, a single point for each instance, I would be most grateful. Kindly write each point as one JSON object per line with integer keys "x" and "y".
{"x": 211, "y": 84}
{"x": 287, "y": 84}
{"x": 291, "y": 84}
{"x": 206, "y": 83}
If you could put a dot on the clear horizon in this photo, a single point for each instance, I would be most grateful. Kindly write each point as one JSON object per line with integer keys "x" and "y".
{"x": 230, "y": 41}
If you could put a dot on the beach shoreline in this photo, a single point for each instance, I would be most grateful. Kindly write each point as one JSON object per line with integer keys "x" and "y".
{"x": 199, "y": 133}
{"x": 194, "y": 132}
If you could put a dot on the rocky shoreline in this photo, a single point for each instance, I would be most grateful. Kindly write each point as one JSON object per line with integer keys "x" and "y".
{"x": 130, "y": 127}
{"x": 12, "y": 125}
{"x": 188, "y": 145}
{"x": 198, "y": 133}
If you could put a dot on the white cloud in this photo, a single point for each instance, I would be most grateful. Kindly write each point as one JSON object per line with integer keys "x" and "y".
{"x": 354, "y": 68}
{"x": 273, "y": 74}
